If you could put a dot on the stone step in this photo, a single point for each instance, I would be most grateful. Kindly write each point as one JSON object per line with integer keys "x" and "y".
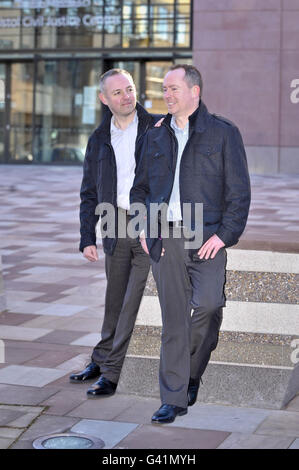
{"x": 223, "y": 383}
{"x": 256, "y": 362}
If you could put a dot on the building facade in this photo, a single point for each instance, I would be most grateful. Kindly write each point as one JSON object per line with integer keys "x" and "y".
{"x": 53, "y": 51}
{"x": 248, "y": 52}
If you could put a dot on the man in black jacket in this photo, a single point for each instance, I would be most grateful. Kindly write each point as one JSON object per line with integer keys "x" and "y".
{"x": 194, "y": 158}
{"x": 108, "y": 173}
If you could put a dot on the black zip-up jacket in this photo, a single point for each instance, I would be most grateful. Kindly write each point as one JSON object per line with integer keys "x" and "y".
{"x": 213, "y": 171}
{"x": 99, "y": 183}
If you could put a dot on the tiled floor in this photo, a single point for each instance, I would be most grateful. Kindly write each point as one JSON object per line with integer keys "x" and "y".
{"x": 55, "y": 303}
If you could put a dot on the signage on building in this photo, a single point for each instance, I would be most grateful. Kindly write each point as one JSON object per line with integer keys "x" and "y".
{"x": 52, "y": 3}
{"x": 59, "y": 21}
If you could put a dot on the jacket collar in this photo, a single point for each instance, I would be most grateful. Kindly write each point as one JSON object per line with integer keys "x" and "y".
{"x": 197, "y": 120}
{"x": 144, "y": 119}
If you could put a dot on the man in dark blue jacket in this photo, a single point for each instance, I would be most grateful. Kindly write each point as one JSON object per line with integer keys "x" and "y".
{"x": 108, "y": 173}
{"x": 194, "y": 158}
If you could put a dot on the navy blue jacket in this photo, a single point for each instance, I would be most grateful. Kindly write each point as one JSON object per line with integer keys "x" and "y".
{"x": 213, "y": 171}
{"x": 99, "y": 183}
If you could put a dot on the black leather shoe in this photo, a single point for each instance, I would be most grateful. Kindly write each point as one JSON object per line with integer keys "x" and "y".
{"x": 167, "y": 414}
{"x": 193, "y": 391}
{"x": 91, "y": 372}
{"x": 102, "y": 388}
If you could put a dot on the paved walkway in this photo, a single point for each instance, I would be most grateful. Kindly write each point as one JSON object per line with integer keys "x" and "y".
{"x": 55, "y": 304}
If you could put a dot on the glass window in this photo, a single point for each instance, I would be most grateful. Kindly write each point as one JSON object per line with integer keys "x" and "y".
{"x": 182, "y": 34}
{"x": 112, "y": 25}
{"x": 2, "y": 110}
{"x": 162, "y": 33}
{"x": 67, "y": 109}
{"x": 155, "y": 72}
{"x": 93, "y": 24}
{"x": 51, "y": 121}
{"x": 20, "y": 135}
{"x": 161, "y": 11}
{"x": 135, "y": 34}
{"x": 133, "y": 68}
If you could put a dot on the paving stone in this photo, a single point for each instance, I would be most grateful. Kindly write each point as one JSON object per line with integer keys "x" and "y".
{"x": 140, "y": 412}
{"x": 109, "y": 431}
{"x": 222, "y": 418}
{"x": 64, "y": 401}
{"x": 5, "y": 443}
{"x": 11, "y": 394}
{"x": 20, "y": 355}
{"x": 22, "y": 445}
{"x": 25, "y": 306}
{"x": 293, "y": 405}
{"x": 22, "y": 333}
{"x": 50, "y": 358}
{"x": 87, "y": 340}
{"x": 22, "y": 408}
{"x": 6, "y": 416}
{"x": 166, "y": 437}
{"x": 61, "y": 310}
{"x": 60, "y": 337}
{"x": 47, "y": 424}
{"x": 254, "y": 441}
{"x": 104, "y": 408}
{"x": 10, "y": 433}
{"x": 14, "y": 319}
{"x": 76, "y": 363}
{"x": 25, "y": 420}
{"x": 29, "y": 376}
{"x": 280, "y": 423}
{"x": 295, "y": 444}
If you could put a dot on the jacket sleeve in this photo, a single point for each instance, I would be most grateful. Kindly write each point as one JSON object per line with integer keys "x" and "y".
{"x": 236, "y": 188}
{"x": 89, "y": 200}
{"x": 140, "y": 188}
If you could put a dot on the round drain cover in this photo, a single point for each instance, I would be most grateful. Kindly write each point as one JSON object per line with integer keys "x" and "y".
{"x": 68, "y": 441}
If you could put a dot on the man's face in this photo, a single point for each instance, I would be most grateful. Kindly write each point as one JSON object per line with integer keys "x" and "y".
{"x": 119, "y": 95}
{"x": 179, "y": 98}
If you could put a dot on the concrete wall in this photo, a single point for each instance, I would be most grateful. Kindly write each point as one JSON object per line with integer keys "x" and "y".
{"x": 248, "y": 53}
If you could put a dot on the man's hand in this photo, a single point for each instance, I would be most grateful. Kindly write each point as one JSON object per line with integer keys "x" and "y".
{"x": 158, "y": 124}
{"x": 144, "y": 245}
{"x": 211, "y": 247}
{"x": 143, "y": 242}
{"x": 90, "y": 253}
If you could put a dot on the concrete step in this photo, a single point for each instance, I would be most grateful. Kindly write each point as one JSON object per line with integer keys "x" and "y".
{"x": 256, "y": 362}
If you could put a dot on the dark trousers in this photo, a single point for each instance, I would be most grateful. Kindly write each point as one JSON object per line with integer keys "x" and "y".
{"x": 126, "y": 270}
{"x": 187, "y": 338}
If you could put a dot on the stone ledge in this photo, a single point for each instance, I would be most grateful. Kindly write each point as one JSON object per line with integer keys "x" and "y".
{"x": 233, "y": 347}
{"x": 249, "y": 286}
{"x": 247, "y": 317}
{"x": 223, "y": 383}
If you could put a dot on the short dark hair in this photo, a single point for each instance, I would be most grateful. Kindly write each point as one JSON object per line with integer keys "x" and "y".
{"x": 192, "y": 75}
{"x": 110, "y": 73}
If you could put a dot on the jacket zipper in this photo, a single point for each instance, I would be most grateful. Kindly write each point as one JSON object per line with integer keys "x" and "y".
{"x": 175, "y": 148}
{"x": 175, "y": 152}
{"x": 114, "y": 172}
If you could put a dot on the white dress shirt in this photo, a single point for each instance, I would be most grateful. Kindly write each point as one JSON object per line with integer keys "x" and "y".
{"x": 174, "y": 212}
{"x": 123, "y": 143}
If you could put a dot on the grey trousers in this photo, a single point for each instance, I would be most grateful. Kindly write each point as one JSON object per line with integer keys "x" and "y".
{"x": 126, "y": 271}
{"x": 187, "y": 338}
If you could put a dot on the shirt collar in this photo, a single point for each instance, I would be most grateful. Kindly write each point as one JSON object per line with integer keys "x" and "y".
{"x": 113, "y": 127}
{"x": 176, "y": 128}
